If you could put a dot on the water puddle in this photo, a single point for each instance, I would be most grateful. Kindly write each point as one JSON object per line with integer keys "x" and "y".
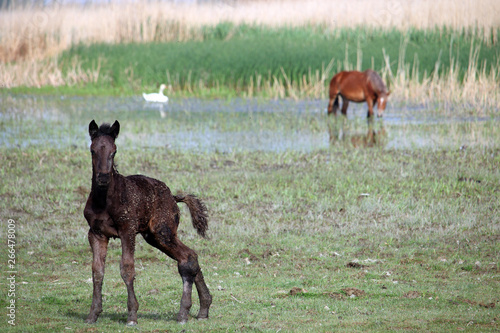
{"x": 235, "y": 125}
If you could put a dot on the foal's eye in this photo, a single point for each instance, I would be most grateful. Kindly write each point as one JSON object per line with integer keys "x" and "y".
{"x": 92, "y": 152}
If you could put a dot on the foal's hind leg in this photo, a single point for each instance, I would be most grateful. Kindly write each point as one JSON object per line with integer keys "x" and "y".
{"x": 204, "y": 295}
{"x": 99, "y": 246}
{"x": 190, "y": 272}
{"x": 189, "y": 269}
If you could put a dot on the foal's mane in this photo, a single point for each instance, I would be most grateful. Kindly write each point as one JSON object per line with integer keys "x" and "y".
{"x": 104, "y": 129}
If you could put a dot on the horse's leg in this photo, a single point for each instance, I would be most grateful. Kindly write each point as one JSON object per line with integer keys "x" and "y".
{"x": 345, "y": 104}
{"x": 127, "y": 271}
{"x": 370, "y": 103}
{"x": 99, "y": 246}
{"x": 189, "y": 269}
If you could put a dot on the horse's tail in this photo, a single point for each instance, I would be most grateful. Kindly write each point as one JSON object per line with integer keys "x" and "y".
{"x": 333, "y": 104}
{"x": 198, "y": 210}
{"x": 336, "y": 103}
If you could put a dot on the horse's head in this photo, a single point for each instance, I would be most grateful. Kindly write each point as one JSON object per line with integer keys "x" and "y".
{"x": 103, "y": 150}
{"x": 382, "y": 103}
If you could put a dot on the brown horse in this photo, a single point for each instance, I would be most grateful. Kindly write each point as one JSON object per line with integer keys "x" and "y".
{"x": 121, "y": 207}
{"x": 358, "y": 87}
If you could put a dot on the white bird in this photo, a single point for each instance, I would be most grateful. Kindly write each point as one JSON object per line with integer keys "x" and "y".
{"x": 156, "y": 97}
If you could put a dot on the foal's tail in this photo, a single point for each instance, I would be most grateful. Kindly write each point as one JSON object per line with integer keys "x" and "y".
{"x": 198, "y": 210}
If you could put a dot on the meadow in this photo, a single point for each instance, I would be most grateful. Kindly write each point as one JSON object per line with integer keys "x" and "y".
{"x": 413, "y": 235}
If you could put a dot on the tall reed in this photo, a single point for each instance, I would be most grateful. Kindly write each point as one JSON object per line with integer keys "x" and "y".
{"x": 477, "y": 90}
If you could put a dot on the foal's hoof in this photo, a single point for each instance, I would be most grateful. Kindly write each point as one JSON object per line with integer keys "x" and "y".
{"x": 202, "y": 315}
{"x": 131, "y": 323}
{"x": 182, "y": 316}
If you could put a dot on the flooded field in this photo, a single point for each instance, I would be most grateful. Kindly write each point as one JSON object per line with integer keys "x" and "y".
{"x": 235, "y": 125}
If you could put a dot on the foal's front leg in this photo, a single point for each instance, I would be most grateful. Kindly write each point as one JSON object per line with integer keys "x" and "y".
{"x": 99, "y": 246}
{"x": 127, "y": 270}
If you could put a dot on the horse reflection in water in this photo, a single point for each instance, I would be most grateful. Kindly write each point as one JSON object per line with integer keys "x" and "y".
{"x": 340, "y": 132}
{"x": 358, "y": 87}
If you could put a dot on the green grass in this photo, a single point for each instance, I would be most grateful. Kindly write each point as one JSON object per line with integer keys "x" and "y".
{"x": 231, "y": 58}
{"x": 428, "y": 228}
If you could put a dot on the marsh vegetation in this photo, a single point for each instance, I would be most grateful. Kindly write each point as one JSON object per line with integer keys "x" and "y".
{"x": 427, "y": 52}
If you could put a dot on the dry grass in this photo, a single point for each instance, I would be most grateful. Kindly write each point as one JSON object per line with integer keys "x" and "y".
{"x": 478, "y": 90}
{"x": 34, "y": 33}
{"x": 45, "y": 72}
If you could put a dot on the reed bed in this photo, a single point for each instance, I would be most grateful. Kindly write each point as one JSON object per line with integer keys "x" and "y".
{"x": 34, "y": 33}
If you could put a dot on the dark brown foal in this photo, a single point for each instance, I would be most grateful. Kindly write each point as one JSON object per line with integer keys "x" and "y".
{"x": 121, "y": 207}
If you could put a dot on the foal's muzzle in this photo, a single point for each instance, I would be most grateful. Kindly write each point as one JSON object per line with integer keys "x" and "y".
{"x": 103, "y": 179}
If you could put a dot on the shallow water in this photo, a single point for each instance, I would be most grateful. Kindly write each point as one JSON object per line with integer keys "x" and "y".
{"x": 235, "y": 125}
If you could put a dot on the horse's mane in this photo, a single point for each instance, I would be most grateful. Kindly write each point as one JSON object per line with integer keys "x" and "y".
{"x": 376, "y": 80}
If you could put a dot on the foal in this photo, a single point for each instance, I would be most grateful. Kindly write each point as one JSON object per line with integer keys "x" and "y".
{"x": 121, "y": 207}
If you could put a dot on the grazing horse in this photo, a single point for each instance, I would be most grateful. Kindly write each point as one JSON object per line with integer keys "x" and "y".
{"x": 358, "y": 87}
{"x": 122, "y": 207}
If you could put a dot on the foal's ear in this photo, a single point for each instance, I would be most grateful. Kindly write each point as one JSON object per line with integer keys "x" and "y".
{"x": 388, "y": 93}
{"x": 93, "y": 128}
{"x": 115, "y": 129}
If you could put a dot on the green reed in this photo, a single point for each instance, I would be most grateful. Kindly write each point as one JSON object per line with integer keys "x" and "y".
{"x": 245, "y": 58}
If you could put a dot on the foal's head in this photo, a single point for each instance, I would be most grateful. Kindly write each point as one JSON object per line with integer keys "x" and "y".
{"x": 103, "y": 150}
